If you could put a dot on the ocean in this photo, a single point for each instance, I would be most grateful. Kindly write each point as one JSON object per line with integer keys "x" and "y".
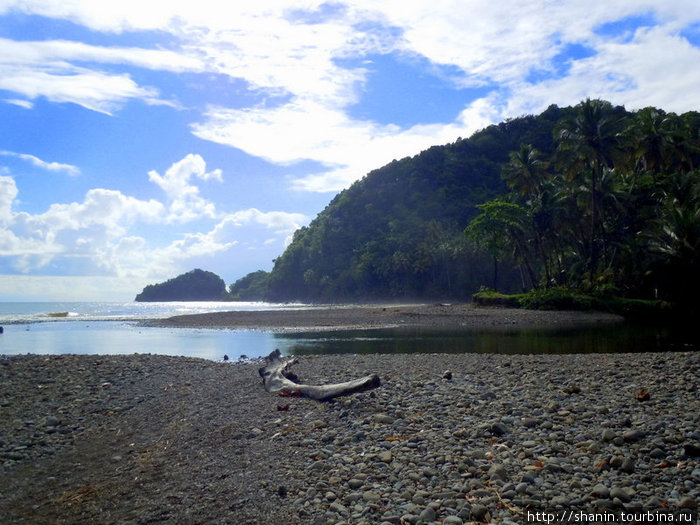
{"x": 111, "y": 328}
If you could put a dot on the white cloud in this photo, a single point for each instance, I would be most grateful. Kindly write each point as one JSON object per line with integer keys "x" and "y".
{"x": 185, "y": 203}
{"x": 26, "y": 104}
{"x": 93, "y": 90}
{"x": 8, "y": 193}
{"x": 98, "y": 235}
{"x": 48, "y": 166}
{"x": 278, "y": 221}
{"x": 291, "y": 53}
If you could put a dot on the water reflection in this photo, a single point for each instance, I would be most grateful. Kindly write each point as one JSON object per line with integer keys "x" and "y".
{"x": 623, "y": 338}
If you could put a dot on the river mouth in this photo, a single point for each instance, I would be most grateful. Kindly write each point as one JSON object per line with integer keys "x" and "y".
{"x": 622, "y": 338}
{"x": 120, "y": 337}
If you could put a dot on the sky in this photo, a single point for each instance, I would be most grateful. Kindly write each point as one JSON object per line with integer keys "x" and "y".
{"x": 140, "y": 140}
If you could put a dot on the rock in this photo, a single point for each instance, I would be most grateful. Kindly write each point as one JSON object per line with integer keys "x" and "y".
{"x": 498, "y": 429}
{"x": 627, "y": 465}
{"x": 452, "y": 520}
{"x": 601, "y": 491}
{"x": 620, "y": 493}
{"x": 385, "y": 456}
{"x": 633, "y": 435}
{"x": 383, "y": 418}
{"x": 498, "y": 472}
{"x": 427, "y": 516}
{"x": 355, "y": 483}
{"x": 608, "y": 434}
{"x": 657, "y": 453}
{"x": 688, "y": 503}
{"x": 371, "y": 496}
{"x": 691, "y": 450}
{"x": 480, "y": 513}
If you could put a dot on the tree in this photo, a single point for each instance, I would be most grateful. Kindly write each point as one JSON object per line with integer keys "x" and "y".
{"x": 524, "y": 173}
{"x": 588, "y": 146}
{"x": 500, "y": 230}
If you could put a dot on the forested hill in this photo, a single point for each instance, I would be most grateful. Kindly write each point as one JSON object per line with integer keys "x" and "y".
{"x": 195, "y": 285}
{"x": 399, "y": 232}
{"x": 591, "y": 197}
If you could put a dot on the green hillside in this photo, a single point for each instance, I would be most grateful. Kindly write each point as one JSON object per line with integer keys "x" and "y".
{"x": 195, "y": 285}
{"x": 587, "y": 196}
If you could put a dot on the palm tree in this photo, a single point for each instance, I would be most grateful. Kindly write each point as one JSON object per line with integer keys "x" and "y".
{"x": 524, "y": 172}
{"x": 588, "y": 145}
{"x": 677, "y": 238}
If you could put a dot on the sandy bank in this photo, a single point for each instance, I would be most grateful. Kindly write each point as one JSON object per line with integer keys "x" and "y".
{"x": 381, "y": 316}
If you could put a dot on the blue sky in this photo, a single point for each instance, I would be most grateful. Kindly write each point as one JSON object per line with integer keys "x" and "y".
{"x": 139, "y": 140}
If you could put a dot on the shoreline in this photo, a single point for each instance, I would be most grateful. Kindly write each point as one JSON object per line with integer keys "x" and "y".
{"x": 147, "y": 438}
{"x": 329, "y": 317}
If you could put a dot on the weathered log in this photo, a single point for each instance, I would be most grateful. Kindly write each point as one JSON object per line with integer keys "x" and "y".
{"x": 278, "y": 378}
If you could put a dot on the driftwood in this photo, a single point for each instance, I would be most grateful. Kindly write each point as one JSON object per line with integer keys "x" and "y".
{"x": 278, "y": 378}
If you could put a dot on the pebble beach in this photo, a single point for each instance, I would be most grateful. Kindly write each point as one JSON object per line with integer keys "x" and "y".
{"x": 446, "y": 439}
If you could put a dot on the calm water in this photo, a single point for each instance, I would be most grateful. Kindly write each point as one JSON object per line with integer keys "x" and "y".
{"x": 110, "y": 328}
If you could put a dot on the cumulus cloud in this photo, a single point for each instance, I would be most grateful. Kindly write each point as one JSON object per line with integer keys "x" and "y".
{"x": 185, "y": 202}
{"x": 99, "y": 236}
{"x": 8, "y": 193}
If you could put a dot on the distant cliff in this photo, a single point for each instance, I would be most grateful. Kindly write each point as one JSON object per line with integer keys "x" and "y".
{"x": 196, "y": 285}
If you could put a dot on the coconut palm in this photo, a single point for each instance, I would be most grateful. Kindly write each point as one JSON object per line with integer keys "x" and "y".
{"x": 588, "y": 146}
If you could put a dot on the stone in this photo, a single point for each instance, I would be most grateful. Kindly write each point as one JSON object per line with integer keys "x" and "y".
{"x": 498, "y": 429}
{"x": 452, "y": 520}
{"x": 385, "y": 456}
{"x": 355, "y": 483}
{"x": 601, "y": 491}
{"x": 385, "y": 419}
{"x": 479, "y": 513}
{"x": 691, "y": 450}
{"x": 627, "y": 465}
{"x": 371, "y": 496}
{"x": 688, "y": 503}
{"x": 498, "y": 472}
{"x": 608, "y": 434}
{"x": 633, "y": 435}
{"x": 428, "y": 515}
{"x": 620, "y": 493}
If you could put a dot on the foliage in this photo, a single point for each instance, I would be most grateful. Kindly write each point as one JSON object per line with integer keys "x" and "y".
{"x": 562, "y": 298}
{"x": 196, "y": 285}
{"x": 398, "y": 232}
{"x": 488, "y": 297}
{"x": 252, "y": 287}
{"x": 592, "y": 199}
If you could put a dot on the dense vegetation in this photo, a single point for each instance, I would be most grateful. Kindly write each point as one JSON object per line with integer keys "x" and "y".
{"x": 252, "y": 287}
{"x": 613, "y": 210}
{"x": 399, "y": 232}
{"x": 196, "y": 285}
{"x": 591, "y": 198}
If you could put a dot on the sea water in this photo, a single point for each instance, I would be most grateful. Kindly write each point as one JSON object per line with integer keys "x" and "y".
{"x": 113, "y": 328}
